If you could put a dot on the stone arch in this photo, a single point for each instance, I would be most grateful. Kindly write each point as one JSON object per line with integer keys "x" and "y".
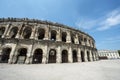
{"x": 13, "y": 32}
{"x": 37, "y": 56}
{"x": 64, "y": 35}
{"x": 41, "y": 33}
{"x": 52, "y": 56}
{"x": 2, "y": 30}
{"x": 82, "y": 56}
{"x": 22, "y": 55}
{"x": 5, "y": 54}
{"x": 27, "y": 32}
{"x": 88, "y": 55}
{"x": 53, "y": 35}
{"x": 74, "y": 56}
{"x": 64, "y": 56}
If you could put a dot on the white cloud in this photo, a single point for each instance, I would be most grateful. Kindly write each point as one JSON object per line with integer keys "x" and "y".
{"x": 112, "y": 19}
{"x": 86, "y": 23}
{"x": 108, "y": 21}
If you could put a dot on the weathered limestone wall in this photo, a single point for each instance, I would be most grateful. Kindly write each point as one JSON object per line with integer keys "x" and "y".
{"x": 20, "y": 40}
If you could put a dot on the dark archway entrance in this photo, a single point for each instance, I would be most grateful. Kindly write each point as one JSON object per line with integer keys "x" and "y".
{"x": 5, "y": 55}
{"x": 41, "y": 33}
{"x": 64, "y": 56}
{"x": 52, "y": 56}
{"x": 53, "y": 35}
{"x": 37, "y": 57}
{"x": 27, "y": 32}
{"x": 22, "y": 54}
{"x": 64, "y": 34}
{"x": 74, "y": 56}
{"x": 82, "y": 56}
{"x": 88, "y": 55}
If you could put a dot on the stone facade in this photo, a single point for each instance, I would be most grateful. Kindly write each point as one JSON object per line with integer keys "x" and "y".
{"x": 35, "y": 41}
{"x": 109, "y": 54}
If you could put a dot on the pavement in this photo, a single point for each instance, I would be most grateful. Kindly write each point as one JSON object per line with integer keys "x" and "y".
{"x": 98, "y": 70}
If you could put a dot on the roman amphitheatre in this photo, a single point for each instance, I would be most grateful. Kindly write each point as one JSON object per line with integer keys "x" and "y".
{"x": 32, "y": 41}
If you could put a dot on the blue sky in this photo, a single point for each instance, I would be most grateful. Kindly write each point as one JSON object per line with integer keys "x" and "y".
{"x": 99, "y": 18}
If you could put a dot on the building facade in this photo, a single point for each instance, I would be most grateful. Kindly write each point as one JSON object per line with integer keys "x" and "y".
{"x": 35, "y": 41}
{"x": 109, "y": 54}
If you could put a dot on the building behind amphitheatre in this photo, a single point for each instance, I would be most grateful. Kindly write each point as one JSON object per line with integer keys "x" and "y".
{"x": 31, "y": 41}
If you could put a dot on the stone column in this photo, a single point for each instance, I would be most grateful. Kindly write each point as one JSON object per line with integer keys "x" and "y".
{"x": 58, "y": 55}
{"x": 58, "y": 36}
{"x": 15, "y": 56}
{"x": 70, "y": 60}
{"x": 0, "y": 53}
{"x": 79, "y": 55}
{"x": 76, "y": 39}
{"x": 27, "y": 61}
{"x": 12, "y": 54}
{"x": 46, "y": 34}
{"x": 18, "y": 33}
{"x": 45, "y": 55}
{"x": 68, "y": 37}
{"x": 94, "y": 55}
{"x": 6, "y": 31}
{"x": 91, "y": 59}
{"x": 33, "y": 33}
{"x": 86, "y": 60}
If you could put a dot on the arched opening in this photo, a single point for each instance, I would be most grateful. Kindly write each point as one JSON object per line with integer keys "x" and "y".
{"x": 82, "y": 56}
{"x": 74, "y": 56}
{"x": 2, "y": 30}
{"x": 22, "y": 54}
{"x": 85, "y": 40}
{"x": 41, "y": 33}
{"x": 72, "y": 38}
{"x": 80, "y": 40}
{"x": 64, "y": 56}
{"x": 37, "y": 56}
{"x": 88, "y": 55}
{"x": 13, "y": 32}
{"x": 5, "y": 55}
{"x": 53, "y": 35}
{"x": 64, "y": 34}
{"x": 52, "y": 56}
{"x": 27, "y": 33}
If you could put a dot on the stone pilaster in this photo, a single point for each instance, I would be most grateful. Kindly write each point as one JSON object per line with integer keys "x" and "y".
{"x": 70, "y": 60}
{"x": 76, "y": 39}
{"x": 79, "y": 55}
{"x": 68, "y": 37}
{"x": 94, "y": 55}
{"x": 29, "y": 50}
{"x": 6, "y": 31}
{"x": 33, "y": 33}
{"x": 86, "y": 60}
{"x": 58, "y": 36}
{"x": 12, "y": 54}
{"x": 18, "y": 33}
{"x": 45, "y": 55}
{"x": 91, "y": 59}
{"x": 46, "y": 34}
{"x": 58, "y": 59}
